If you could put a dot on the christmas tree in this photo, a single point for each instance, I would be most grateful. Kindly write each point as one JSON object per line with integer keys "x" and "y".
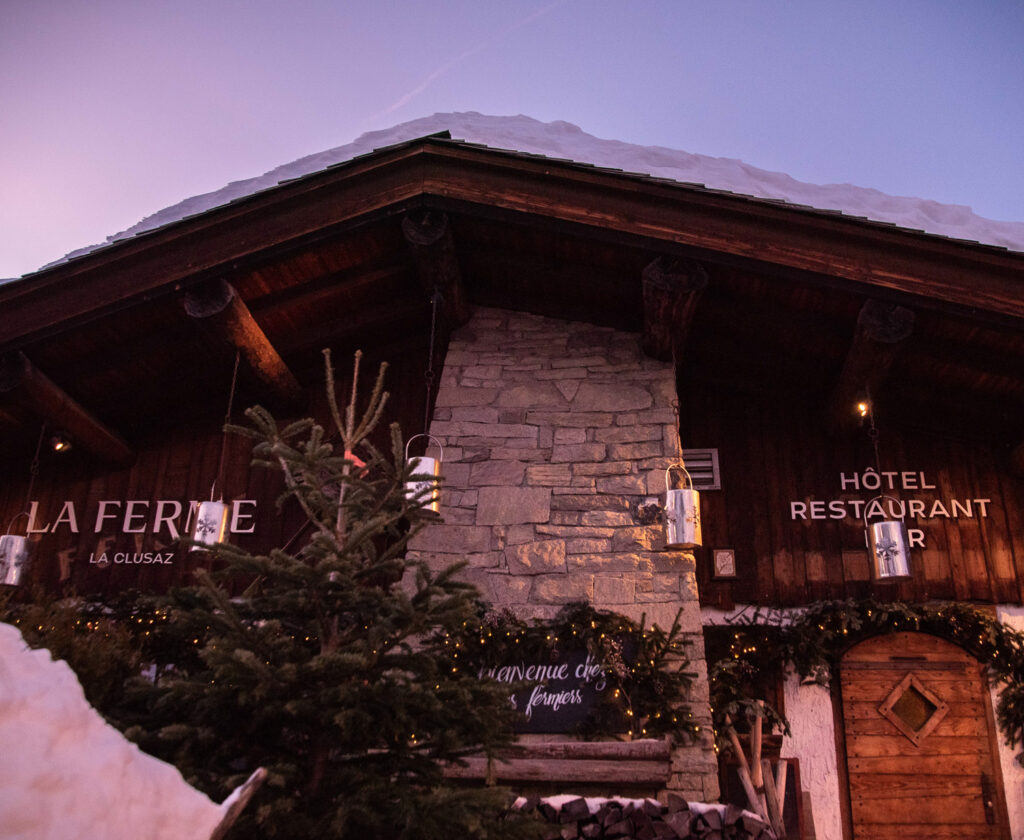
{"x": 324, "y": 663}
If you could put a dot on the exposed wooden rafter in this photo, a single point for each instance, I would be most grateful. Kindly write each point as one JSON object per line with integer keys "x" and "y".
{"x": 881, "y": 329}
{"x": 429, "y": 235}
{"x": 671, "y": 290}
{"x": 22, "y": 381}
{"x": 219, "y": 308}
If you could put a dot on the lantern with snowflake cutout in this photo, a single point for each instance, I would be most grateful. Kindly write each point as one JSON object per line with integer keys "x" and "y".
{"x": 887, "y": 540}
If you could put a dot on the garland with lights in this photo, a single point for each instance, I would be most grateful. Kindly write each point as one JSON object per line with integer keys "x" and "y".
{"x": 644, "y": 667}
{"x": 811, "y": 642}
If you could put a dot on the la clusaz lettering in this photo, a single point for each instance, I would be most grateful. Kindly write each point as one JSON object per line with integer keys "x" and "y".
{"x": 886, "y": 507}
{"x": 137, "y": 517}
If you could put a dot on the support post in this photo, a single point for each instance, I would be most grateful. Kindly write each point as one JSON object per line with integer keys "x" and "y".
{"x": 429, "y": 236}
{"x": 671, "y": 290}
{"x": 877, "y": 340}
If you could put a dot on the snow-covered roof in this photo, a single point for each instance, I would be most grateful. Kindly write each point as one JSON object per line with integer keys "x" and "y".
{"x": 565, "y": 141}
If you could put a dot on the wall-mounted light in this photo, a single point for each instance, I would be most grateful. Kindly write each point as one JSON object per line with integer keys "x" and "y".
{"x": 60, "y": 442}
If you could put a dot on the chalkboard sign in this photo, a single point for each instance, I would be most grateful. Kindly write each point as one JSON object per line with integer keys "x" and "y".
{"x": 555, "y": 695}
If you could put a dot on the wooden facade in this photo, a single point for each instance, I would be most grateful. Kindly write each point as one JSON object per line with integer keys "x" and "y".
{"x": 777, "y": 457}
{"x": 777, "y": 319}
{"x": 171, "y": 465}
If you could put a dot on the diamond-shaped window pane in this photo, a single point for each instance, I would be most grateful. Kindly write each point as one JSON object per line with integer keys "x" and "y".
{"x": 913, "y": 709}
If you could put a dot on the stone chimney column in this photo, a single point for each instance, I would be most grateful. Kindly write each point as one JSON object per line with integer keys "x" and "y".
{"x": 554, "y": 432}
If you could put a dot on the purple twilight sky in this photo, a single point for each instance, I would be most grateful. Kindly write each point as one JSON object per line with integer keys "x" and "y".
{"x": 113, "y": 109}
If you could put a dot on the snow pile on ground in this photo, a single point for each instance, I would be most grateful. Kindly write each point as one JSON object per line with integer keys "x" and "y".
{"x": 68, "y": 775}
{"x": 564, "y": 140}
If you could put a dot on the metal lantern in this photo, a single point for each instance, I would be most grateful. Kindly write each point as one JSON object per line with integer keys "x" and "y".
{"x": 212, "y": 517}
{"x": 211, "y": 525}
{"x": 682, "y": 512}
{"x": 13, "y": 559}
{"x": 888, "y": 545}
{"x": 426, "y": 490}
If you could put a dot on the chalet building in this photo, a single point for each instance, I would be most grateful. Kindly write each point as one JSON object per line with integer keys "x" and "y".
{"x": 566, "y": 334}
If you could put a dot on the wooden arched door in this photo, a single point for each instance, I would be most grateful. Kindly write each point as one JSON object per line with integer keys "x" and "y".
{"x": 920, "y": 746}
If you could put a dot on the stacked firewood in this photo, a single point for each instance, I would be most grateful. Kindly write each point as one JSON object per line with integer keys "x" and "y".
{"x": 645, "y": 819}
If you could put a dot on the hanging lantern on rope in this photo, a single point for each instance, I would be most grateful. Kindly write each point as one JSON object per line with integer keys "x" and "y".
{"x": 212, "y": 516}
{"x": 424, "y": 484}
{"x": 682, "y": 512}
{"x": 887, "y": 539}
{"x": 14, "y": 549}
{"x": 211, "y": 525}
{"x": 888, "y": 542}
{"x": 13, "y": 559}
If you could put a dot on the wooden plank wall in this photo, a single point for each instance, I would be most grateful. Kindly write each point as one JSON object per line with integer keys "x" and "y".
{"x": 180, "y": 465}
{"x": 775, "y": 452}
{"x": 771, "y": 453}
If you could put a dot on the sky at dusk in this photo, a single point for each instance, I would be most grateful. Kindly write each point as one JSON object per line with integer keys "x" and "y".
{"x": 113, "y": 109}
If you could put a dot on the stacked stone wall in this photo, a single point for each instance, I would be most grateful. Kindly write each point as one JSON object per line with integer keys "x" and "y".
{"x": 554, "y": 432}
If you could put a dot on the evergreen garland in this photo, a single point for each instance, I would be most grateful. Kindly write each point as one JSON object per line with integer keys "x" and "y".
{"x": 812, "y": 641}
{"x": 645, "y": 667}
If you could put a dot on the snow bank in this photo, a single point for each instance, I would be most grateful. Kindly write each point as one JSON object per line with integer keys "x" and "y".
{"x": 567, "y": 141}
{"x": 68, "y": 775}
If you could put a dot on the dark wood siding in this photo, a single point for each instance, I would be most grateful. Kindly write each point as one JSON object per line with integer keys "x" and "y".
{"x": 177, "y": 465}
{"x": 775, "y": 452}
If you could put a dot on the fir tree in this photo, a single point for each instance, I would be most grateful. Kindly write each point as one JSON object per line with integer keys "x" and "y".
{"x": 324, "y": 663}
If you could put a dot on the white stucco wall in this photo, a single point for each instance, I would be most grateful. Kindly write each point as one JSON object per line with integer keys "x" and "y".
{"x": 1013, "y": 773}
{"x": 813, "y": 742}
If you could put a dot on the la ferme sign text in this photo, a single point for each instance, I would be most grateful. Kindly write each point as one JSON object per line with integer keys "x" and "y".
{"x": 139, "y": 516}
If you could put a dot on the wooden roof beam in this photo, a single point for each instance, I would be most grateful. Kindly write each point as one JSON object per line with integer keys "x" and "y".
{"x": 430, "y": 239}
{"x": 23, "y": 381}
{"x": 877, "y": 340}
{"x": 220, "y": 310}
{"x": 671, "y": 290}
{"x": 985, "y": 282}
